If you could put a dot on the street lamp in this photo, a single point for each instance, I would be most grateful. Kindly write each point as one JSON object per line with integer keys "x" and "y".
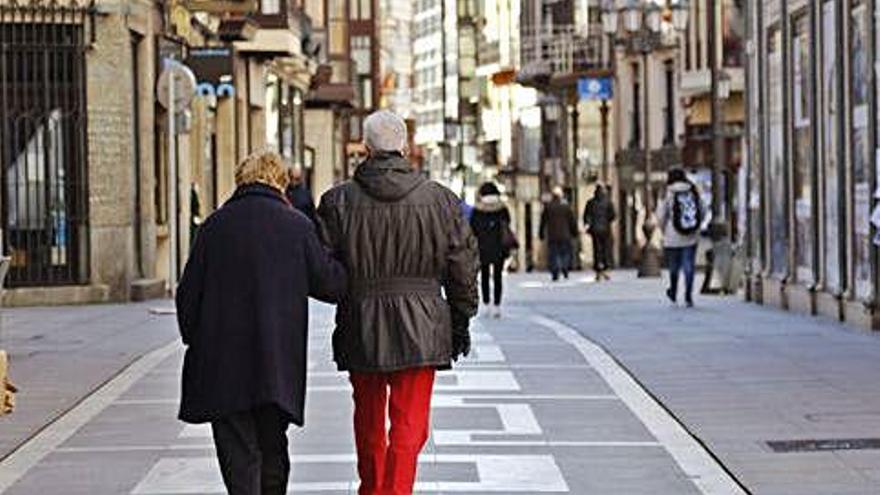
{"x": 643, "y": 22}
{"x": 680, "y": 11}
{"x": 609, "y": 17}
{"x": 632, "y": 16}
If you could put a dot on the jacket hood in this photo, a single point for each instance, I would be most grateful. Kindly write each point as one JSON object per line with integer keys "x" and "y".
{"x": 387, "y": 176}
{"x": 490, "y": 203}
{"x": 677, "y": 187}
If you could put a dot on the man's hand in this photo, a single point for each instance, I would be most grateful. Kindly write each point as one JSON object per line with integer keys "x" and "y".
{"x": 461, "y": 336}
{"x": 461, "y": 344}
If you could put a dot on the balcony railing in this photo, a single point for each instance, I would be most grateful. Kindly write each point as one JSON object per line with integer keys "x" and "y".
{"x": 560, "y": 50}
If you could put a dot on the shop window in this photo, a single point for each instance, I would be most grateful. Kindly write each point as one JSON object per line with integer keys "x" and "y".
{"x": 635, "y": 113}
{"x": 270, "y": 7}
{"x": 361, "y": 10}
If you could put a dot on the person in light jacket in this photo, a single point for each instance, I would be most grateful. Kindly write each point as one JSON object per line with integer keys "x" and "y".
{"x": 680, "y": 216}
{"x": 242, "y": 309}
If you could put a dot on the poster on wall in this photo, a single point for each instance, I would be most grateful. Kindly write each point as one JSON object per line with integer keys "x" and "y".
{"x": 776, "y": 182}
{"x": 861, "y": 152}
{"x": 831, "y": 113}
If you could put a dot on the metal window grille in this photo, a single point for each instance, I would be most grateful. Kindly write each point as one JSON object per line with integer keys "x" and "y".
{"x": 43, "y": 145}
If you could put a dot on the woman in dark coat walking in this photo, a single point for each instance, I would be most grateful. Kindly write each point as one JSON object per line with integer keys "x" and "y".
{"x": 489, "y": 221}
{"x": 242, "y": 309}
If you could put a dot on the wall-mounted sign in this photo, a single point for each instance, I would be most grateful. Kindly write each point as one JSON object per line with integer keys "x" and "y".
{"x": 222, "y": 6}
{"x": 595, "y": 88}
{"x": 213, "y": 69}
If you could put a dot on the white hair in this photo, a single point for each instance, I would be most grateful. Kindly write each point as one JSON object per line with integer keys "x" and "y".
{"x": 385, "y": 131}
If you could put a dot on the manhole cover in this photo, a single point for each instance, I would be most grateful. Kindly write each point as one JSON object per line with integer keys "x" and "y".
{"x": 789, "y": 446}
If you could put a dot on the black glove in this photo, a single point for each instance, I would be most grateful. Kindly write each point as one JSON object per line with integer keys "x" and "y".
{"x": 461, "y": 344}
{"x": 461, "y": 336}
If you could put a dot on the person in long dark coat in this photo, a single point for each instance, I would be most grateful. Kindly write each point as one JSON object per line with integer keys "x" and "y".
{"x": 559, "y": 229}
{"x": 412, "y": 263}
{"x": 242, "y": 308}
{"x": 599, "y": 215}
{"x": 488, "y": 221}
{"x": 299, "y": 195}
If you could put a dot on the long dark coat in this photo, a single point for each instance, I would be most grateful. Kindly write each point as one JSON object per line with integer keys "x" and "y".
{"x": 488, "y": 221}
{"x": 599, "y": 214}
{"x": 406, "y": 245}
{"x": 242, "y": 307}
{"x": 558, "y": 223}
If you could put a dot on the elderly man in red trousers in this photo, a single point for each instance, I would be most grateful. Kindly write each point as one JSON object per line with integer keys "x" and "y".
{"x": 412, "y": 265}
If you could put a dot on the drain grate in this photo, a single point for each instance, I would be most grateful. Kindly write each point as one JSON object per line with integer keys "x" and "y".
{"x": 831, "y": 444}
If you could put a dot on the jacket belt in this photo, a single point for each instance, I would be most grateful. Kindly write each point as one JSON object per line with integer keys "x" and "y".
{"x": 394, "y": 286}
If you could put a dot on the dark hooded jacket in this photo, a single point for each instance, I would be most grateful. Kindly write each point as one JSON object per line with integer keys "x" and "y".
{"x": 488, "y": 221}
{"x": 242, "y": 307}
{"x": 406, "y": 244}
{"x": 599, "y": 213}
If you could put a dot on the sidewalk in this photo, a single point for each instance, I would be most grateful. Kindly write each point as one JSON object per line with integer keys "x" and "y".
{"x": 536, "y": 409}
{"x": 529, "y": 412}
{"x": 60, "y": 355}
{"x": 740, "y": 375}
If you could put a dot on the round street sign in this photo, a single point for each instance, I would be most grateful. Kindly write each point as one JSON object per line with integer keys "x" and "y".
{"x": 184, "y": 86}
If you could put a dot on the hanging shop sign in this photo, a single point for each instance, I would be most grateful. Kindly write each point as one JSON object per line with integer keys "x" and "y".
{"x": 595, "y": 88}
{"x": 213, "y": 69}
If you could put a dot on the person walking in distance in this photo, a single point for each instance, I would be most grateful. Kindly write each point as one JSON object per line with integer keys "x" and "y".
{"x": 299, "y": 195}
{"x": 599, "y": 214}
{"x": 242, "y": 309}
{"x": 681, "y": 217}
{"x": 558, "y": 228}
{"x": 412, "y": 264}
{"x": 490, "y": 221}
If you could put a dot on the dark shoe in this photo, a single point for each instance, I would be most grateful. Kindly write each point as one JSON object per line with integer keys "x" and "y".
{"x": 670, "y": 295}
{"x": 689, "y": 302}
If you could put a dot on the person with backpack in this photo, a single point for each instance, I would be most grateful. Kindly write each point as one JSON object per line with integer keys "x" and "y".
{"x": 598, "y": 217}
{"x": 681, "y": 216}
{"x": 490, "y": 222}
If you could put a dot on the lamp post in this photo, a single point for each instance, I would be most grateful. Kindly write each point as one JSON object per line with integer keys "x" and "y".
{"x": 642, "y": 25}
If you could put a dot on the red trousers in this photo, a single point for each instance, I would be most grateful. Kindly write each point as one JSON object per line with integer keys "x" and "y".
{"x": 387, "y": 462}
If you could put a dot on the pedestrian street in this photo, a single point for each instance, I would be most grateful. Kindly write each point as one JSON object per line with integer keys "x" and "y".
{"x": 527, "y": 412}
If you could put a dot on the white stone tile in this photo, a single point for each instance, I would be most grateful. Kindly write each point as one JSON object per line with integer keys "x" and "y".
{"x": 496, "y": 473}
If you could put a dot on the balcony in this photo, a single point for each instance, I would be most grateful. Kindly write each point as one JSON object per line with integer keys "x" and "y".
{"x": 284, "y": 30}
{"x": 560, "y": 53}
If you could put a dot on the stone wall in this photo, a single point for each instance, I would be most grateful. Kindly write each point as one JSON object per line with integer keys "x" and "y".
{"x": 111, "y": 160}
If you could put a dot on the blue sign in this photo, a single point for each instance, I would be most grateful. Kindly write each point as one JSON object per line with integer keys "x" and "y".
{"x": 595, "y": 88}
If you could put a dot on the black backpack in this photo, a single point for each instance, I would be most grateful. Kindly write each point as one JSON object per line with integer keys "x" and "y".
{"x": 687, "y": 216}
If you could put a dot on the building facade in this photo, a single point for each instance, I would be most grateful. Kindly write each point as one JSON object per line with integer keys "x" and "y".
{"x": 810, "y": 186}
{"x": 561, "y": 43}
{"x": 100, "y": 200}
